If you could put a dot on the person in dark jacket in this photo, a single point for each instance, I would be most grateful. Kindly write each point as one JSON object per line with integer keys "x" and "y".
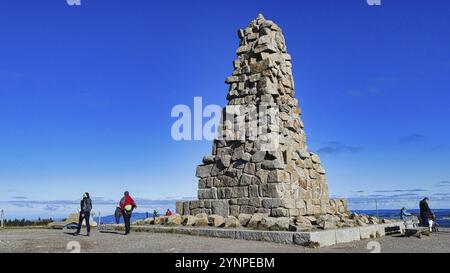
{"x": 127, "y": 205}
{"x": 85, "y": 213}
{"x": 425, "y": 211}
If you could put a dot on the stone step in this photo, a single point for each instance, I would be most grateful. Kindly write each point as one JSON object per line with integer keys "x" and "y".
{"x": 314, "y": 238}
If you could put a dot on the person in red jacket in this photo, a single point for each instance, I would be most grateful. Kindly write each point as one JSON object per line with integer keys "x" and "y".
{"x": 127, "y": 205}
{"x": 168, "y": 212}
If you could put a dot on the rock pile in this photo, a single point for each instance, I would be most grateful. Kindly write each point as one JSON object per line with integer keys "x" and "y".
{"x": 260, "y": 163}
{"x": 262, "y": 221}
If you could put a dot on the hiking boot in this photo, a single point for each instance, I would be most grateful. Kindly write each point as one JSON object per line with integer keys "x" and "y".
{"x": 88, "y": 234}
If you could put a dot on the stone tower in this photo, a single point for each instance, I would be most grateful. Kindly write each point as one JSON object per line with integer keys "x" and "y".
{"x": 260, "y": 162}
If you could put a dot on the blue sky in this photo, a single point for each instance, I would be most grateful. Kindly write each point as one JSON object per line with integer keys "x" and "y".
{"x": 86, "y": 95}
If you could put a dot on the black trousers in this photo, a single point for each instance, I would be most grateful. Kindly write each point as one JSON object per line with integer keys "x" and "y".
{"x": 425, "y": 217}
{"x": 127, "y": 219}
{"x": 85, "y": 216}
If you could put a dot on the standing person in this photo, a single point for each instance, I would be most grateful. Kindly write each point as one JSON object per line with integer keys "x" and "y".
{"x": 85, "y": 214}
{"x": 127, "y": 205}
{"x": 168, "y": 212}
{"x": 425, "y": 211}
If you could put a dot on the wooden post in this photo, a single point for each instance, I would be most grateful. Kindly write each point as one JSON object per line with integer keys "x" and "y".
{"x": 1, "y": 217}
{"x": 99, "y": 218}
{"x": 376, "y": 207}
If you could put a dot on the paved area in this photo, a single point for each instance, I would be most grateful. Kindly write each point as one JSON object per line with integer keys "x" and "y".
{"x": 44, "y": 240}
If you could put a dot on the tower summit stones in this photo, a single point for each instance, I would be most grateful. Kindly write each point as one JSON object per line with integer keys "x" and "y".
{"x": 260, "y": 162}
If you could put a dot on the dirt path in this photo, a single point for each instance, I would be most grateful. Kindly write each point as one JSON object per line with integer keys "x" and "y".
{"x": 43, "y": 240}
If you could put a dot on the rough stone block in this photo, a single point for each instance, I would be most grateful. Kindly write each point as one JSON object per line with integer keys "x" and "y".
{"x": 220, "y": 207}
{"x": 239, "y": 192}
{"x": 179, "y": 207}
{"x": 226, "y": 181}
{"x": 250, "y": 168}
{"x": 204, "y": 170}
{"x": 279, "y": 212}
{"x": 273, "y": 190}
{"x": 231, "y": 222}
{"x": 246, "y": 180}
{"x": 244, "y": 219}
{"x": 272, "y": 203}
{"x": 235, "y": 210}
{"x": 189, "y": 220}
{"x": 200, "y": 211}
{"x": 224, "y": 193}
{"x": 322, "y": 238}
{"x": 216, "y": 220}
{"x": 255, "y": 202}
{"x": 225, "y": 160}
{"x": 201, "y": 219}
{"x": 247, "y": 209}
{"x": 278, "y": 176}
{"x": 272, "y": 164}
{"x": 186, "y": 209}
{"x": 207, "y": 193}
{"x": 243, "y": 201}
{"x": 262, "y": 175}
{"x": 213, "y": 232}
{"x": 268, "y": 236}
{"x": 196, "y": 204}
{"x": 315, "y": 158}
{"x": 253, "y": 191}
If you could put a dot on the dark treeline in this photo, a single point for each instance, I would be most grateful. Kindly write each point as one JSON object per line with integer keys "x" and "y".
{"x": 27, "y": 223}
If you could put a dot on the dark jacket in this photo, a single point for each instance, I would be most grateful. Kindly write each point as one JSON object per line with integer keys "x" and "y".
{"x": 86, "y": 205}
{"x": 424, "y": 208}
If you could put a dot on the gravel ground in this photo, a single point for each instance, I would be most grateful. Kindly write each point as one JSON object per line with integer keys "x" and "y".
{"x": 43, "y": 240}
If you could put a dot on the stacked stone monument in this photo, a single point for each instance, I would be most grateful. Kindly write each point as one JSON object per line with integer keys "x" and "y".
{"x": 260, "y": 162}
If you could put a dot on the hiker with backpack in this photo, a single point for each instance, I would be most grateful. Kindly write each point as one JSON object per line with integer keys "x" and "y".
{"x": 127, "y": 205}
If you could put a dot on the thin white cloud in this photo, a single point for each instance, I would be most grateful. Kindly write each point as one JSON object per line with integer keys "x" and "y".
{"x": 412, "y": 138}
{"x": 335, "y": 147}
